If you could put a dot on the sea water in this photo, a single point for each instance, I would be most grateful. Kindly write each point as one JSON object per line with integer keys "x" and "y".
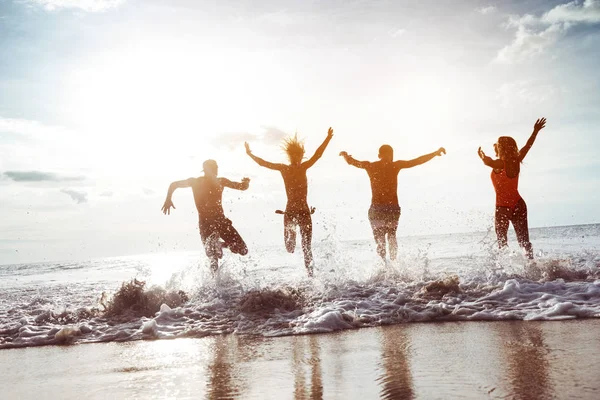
{"x": 436, "y": 278}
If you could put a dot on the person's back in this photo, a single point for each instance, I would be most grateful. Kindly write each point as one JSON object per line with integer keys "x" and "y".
{"x": 510, "y": 206}
{"x": 208, "y": 195}
{"x": 384, "y": 212}
{"x": 297, "y": 212}
{"x": 216, "y": 230}
{"x": 296, "y": 186}
{"x": 384, "y": 182}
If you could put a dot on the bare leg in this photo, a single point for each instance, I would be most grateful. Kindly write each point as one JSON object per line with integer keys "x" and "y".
{"x": 522, "y": 229}
{"x": 379, "y": 235}
{"x": 306, "y": 232}
{"x": 391, "y": 234}
{"x": 231, "y": 239}
{"x": 378, "y": 227}
{"x": 214, "y": 264}
{"x": 289, "y": 233}
{"x": 502, "y": 222}
{"x": 393, "y": 244}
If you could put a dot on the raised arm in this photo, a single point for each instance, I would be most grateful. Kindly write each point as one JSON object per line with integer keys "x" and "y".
{"x": 261, "y": 162}
{"x": 243, "y": 185}
{"x": 319, "y": 151}
{"x": 538, "y": 126}
{"x": 166, "y": 208}
{"x": 353, "y": 162}
{"x": 419, "y": 160}
{"x": 490, "y": 162}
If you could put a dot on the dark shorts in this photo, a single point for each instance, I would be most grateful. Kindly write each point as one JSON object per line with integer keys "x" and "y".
{"x": 224, "y": 228}
{"x": 384, "y": 217}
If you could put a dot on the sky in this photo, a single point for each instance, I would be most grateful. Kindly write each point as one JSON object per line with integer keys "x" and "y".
{"x": 103, "y": 103}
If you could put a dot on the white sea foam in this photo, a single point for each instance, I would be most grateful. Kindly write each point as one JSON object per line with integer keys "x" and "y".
{"x": 268, "y": 293}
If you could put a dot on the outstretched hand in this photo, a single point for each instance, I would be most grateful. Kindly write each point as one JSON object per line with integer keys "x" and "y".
{"x": 539, "y": 125}
{"x": 247, "y": 146}
{"x": 343, "y": 154}
{"x": 480, "y": 153}
{"x": 330, "y": 132}
{"x": 440, "y": 151}
{"x": 166, "y": 208}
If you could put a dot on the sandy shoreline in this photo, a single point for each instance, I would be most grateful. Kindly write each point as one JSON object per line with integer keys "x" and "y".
{"x": 517, "y": 359}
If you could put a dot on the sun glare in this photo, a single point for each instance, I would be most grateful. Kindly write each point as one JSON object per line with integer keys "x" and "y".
{"x": 150, "y": 101}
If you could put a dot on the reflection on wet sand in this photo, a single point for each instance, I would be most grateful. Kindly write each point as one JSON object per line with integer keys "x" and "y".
{"x": 526, "y": 361}
{"x": 395, "y": 379}
{"x": 223, "y": 382}
{"x": 303, "y": 360}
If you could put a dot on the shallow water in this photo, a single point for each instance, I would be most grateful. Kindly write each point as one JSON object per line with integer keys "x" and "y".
{"x": 460, "y": 277}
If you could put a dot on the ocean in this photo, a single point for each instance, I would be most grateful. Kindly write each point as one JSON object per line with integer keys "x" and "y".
{"x": 454, "y": 277}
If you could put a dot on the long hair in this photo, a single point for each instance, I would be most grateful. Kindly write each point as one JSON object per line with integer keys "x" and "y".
{"x": 294, "y": 148}
{"x": 507, "y": 148}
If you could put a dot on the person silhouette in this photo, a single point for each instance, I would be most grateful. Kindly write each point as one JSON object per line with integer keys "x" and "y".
{"x": 216, "y": 230}
{"x": 384, "y": 212}
{"x": 510, "y": 206}
{"x": 297, "y": 212}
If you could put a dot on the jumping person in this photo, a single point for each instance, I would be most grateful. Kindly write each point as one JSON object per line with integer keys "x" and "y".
{"x": 297, "y": 212}
{"x": 384, "y": 212}
{"x": 510, "y": 206}
{"x": 216, "y": 230}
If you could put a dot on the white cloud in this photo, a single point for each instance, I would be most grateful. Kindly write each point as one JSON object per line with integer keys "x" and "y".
{"x": 535, "y": 34}
{"x": 525, "y": 91}
{"x": 487, "y": 10}
{"x": 586, "y": 12}
{"x": 78, "y": 197}
{"x": 528, "y": 43}
{"x": 397, "y": 32}
{"x": 28, "y": 129}
{"x": 85, "y": 5}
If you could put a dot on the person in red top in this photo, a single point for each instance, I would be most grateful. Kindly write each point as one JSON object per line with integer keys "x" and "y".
{"x": 510, "y": 206}
{"x": 384, "y": 212}
{"x": 297, "y": 213}
{"x": 216, "y": 230}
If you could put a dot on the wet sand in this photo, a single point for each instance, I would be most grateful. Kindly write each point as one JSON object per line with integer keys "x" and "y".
{"x": 520, "y": 359}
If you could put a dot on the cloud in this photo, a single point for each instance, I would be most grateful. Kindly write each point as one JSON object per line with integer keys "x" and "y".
{"x": 273, "y": 135}
{"x": 270, "y": 135}
{"x": 27, "y": 129}
{"x": 487, "y": 10}
{"x": 84, "y": 5}
{"x": 397, "y": 32}
{"x": 588, "y": 12}
{"x": 526, "y": 91}
{"x": 535, "y": 34}
{"x": 39, "y": 176}
{"x": 528, "y": 43}
{"x": 148, "y": 192}
{"x": 106, "y": 194}
{"x": 78, "y": 197}
{"x": 231, "y": 140}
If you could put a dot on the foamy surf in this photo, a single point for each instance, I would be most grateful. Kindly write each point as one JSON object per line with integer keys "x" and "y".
{"x": 391, "y": 294}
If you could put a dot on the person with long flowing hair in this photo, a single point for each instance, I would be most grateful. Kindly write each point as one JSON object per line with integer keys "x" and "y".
{"x": 510, "y": 206}
{"x": 297, "y": 212}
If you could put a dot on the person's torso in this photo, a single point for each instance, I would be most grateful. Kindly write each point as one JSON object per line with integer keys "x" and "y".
{"x": 296, "y": 186}
{"x": 208, "y": 194}
{"x": 384, "y": 183}
{"x": 506, "y": 188}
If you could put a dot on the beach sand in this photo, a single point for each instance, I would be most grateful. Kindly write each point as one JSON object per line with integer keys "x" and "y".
{"x": 514, "y": 359}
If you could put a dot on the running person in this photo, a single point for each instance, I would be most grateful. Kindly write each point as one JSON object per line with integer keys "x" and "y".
{"x": 297, "y": 212}
{"x": 510, "y": 206}
{"x": 208, "y": 193}
{"x": 384, "y": 212}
